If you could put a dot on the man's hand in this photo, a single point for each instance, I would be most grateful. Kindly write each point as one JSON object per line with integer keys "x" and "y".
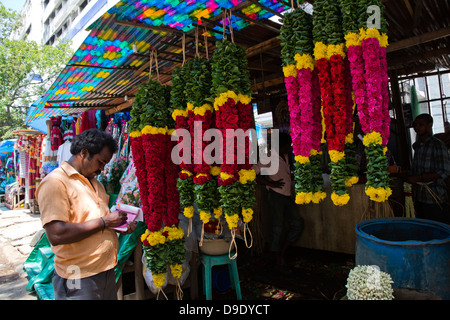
{"x": 115, "y": 219}
{"x": 131, "y": 227}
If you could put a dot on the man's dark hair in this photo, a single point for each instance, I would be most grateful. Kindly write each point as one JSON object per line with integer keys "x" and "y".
{"x": 93, "y": 140}
{"x": 426, "y": 117}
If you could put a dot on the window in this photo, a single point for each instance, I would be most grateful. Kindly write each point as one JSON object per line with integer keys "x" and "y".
{"x": 83, "y": 5}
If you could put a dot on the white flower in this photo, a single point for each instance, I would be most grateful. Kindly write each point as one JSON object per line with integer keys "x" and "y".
{"x": 369, "y": 283}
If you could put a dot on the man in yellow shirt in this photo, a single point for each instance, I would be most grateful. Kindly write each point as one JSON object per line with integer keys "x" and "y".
{"x": 76, "y": 217}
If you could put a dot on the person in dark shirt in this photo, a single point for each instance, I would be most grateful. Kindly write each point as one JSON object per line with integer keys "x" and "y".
{"x": 431, "y": 166}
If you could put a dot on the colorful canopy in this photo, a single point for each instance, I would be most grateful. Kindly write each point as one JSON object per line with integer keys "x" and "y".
{"x": 104, "y": 70}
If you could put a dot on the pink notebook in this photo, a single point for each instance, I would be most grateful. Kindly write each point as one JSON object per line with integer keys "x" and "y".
{"x": 133, "y": 213}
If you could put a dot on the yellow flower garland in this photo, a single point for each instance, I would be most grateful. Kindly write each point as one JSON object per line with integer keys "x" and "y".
{"x": 352, "y": 39}
{"x": 217, "y": 212}
{"x": 225, "y": 176}
{"x": 335, "y": 155}
{"x": 290, "y": 70}
{"x": 214, "y": 171}
{"x": 176, "y": 270}
{"x": 159, "y": 279}
{"x": 179, "y": 112}
{"x": 247, "y": 214}
{"x": 378, "y": 194}
{"x": 351, "y": 181}
{"x": 205, "y": 216}
{"x": 320, "y": 50}
{"x": 334, "y": 49}
{"x": 155, "y": 130}
{"x": 224, "y": 96}
{"x": 372, "y": 138}
{"x": 374, "y": 33}
{"x": 304, "y": 61}
{"x": 232, "y": 220}
{"x": 301, "y": 159}
{"x": 135, "y": 134}
{"x": 188, "y": 212}
{"x": 246, "y": 175}
{"x": 202, "y": 109}
{"x": 340, "y": 200}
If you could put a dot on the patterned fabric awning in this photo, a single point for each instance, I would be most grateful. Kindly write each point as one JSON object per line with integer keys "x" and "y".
{"x": 105, "y": 70}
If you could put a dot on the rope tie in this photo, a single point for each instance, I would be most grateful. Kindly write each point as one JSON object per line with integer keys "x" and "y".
{"x": 245, "y": 236}
{"x": 233, "y": 243}
{"x": 432, "y": 193}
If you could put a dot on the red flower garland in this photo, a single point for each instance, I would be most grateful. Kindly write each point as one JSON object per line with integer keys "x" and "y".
{"x": 141, "y": 174}
{"x": 154, "y": 148}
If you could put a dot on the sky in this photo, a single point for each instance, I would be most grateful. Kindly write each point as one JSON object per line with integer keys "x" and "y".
{"x": 13, "y": 4}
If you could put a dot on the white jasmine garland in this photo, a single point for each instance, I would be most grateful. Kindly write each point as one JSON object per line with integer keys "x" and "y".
{"x": 369, "y": 283}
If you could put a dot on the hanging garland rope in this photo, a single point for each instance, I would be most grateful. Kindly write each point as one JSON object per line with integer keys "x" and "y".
{"x": 232, "y": 97}
{"x": 329, "y": 54}
{"x": 304, "y": 105}
{"x": 151, "y": 148}
{"x": 367, "y": 58}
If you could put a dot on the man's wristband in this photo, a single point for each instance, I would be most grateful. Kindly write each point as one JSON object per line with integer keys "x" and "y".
{"x": 104, "y": 224}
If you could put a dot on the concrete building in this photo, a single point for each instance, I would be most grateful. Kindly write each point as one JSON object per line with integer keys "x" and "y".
{"x": 50, "y": 21}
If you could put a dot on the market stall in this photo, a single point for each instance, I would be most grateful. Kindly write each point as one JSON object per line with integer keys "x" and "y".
{"x": 170, "y": 65}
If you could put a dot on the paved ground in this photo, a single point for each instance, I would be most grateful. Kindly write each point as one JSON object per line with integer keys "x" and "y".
{"x": 17, "y": 229}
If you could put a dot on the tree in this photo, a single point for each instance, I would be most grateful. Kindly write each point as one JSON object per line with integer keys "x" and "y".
{"x": 20, "y": 64}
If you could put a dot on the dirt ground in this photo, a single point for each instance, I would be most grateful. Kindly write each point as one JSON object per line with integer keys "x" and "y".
{"x": 308, "y": 275}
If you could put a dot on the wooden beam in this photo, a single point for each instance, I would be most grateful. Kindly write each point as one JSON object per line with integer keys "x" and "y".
{"x": 417, "y": 40}
{"x": 154, "y": 28}
{"x": 401, "y": 62}
{"x": 100, "y": 67}
{"x": 267, "y": 83}
{"x": 263, "y": 46}
{"x": 120, "y": 107}
{"x": 255, "y": 2}
{"x": 82, "y": 99}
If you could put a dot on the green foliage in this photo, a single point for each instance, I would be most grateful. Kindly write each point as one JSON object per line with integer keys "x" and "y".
{"x": 19, "y": 60}
{"x": 206, "y": 195}
{"x": 362, "y": 14}
{"x": 185, "y": 187}
{"x": 296, "y": 35}
{"x": 350, "y": 16}
{"x": 229, "y": 69}
{"x": 177, "y": 96}
{"x": 377, "y": 167}
{"x": 151, "y": 105}
{"x": 327, "y": 22}
{"x": 198, "y": 81}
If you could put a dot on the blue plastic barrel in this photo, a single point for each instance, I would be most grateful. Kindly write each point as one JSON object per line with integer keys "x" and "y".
{"x": 415, "y": 252}
{"x": 221, "y": 279}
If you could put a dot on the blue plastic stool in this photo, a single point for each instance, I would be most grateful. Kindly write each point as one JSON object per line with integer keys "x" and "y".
{"x": 210, "y": 261}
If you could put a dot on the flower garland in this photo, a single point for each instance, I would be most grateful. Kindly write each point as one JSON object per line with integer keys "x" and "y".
{"x": 180, "y": 114}
{"x": 304, "y": 107}
{"x": 329, "y": 54}
{"x": 232, "y": 97}
{"x": 151, "y": 104}
{"x": 164, "y": 248}
{"x": 198, "y": 86}
{"x": 367, "y": 57}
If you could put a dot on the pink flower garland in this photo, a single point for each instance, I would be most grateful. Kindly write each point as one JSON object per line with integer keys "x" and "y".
{"x": 355, "y": 58}
{"x": 291, "y": 84}
{"x": 317, "y": 115}
{"x": 305, "y": 104}
{"x": 373, "y": 85}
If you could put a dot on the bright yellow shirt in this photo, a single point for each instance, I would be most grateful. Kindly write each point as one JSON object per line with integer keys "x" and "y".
{"x": 67, "y": 196}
